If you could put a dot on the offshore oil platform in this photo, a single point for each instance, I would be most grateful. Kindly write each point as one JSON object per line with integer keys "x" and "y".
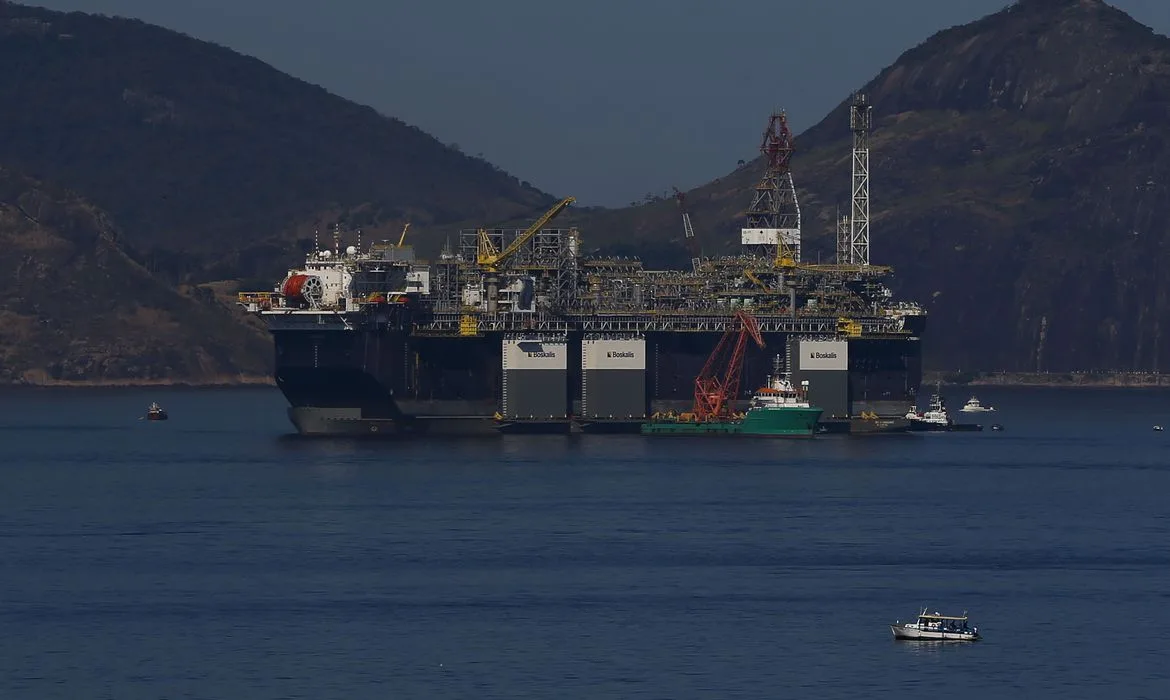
{"x": 516, "y": 331}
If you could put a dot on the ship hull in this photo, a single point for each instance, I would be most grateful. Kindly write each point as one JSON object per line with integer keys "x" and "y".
{"x": 317, "y": 421}
{"x": 921, "y": 426}
{"x": 783, "y": 423}
{"x": 385, "y": 382}
{"x": 914, "y": 633}
{"x": 865, "y": 426}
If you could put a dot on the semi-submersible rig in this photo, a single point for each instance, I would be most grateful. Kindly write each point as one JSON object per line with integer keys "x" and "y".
{"x": 516, "y": 331}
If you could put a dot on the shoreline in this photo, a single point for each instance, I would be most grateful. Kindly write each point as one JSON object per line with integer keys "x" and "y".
{"x": 1086, "y": 380}
{"x": 1055, "y": 380}
{"x": 246, "y": 381}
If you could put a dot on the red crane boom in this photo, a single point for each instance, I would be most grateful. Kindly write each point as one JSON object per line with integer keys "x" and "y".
{"x": 713, "y": 393}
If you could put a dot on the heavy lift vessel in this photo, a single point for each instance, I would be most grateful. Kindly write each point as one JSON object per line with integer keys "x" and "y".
{"x": 516, "y": 331}
{"x": 777, "y": 410}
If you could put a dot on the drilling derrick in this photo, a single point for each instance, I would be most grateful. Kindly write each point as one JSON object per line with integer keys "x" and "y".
{"x": 773, "y": 220}
{"x": 713, "y": 393}
{"x": 860, "y": 121}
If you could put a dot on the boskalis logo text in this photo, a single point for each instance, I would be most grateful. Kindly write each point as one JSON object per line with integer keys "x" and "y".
{"x": 822, "y": 356}
{"x": 541, "y": 353}
{"x": 620, "y": 354}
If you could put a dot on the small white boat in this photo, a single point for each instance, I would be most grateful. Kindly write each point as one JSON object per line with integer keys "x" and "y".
{"x": 973, "y": 405}
{"x": 934, "y": 627}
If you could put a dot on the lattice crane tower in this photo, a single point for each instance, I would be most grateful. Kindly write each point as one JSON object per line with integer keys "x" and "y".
{"x": 844, "y": 238}
{"x": 860, "y": 122}
{"x": 773, "y": 220}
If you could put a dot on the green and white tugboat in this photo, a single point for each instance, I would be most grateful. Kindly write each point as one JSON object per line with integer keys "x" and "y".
{"x": 776, "y": 410}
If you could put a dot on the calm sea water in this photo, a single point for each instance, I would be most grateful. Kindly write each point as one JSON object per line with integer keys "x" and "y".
{"x": 215, "y": 556}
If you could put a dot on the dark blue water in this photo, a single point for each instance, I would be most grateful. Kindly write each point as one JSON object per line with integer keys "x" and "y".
{"x": 214, "y": 557}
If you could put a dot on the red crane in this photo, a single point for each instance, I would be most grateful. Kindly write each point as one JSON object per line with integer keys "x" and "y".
{"x": 713, "y": 394}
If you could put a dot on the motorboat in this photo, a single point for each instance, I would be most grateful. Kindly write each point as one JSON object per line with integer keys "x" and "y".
{"x": 156, "y": 412}
{"x": 974, "y": 405}
{"x": 934, "y": 418}
{"x": 933, "y": 627}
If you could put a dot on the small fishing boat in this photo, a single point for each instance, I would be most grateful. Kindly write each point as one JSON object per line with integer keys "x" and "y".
{"x": 156, "y": 412}
{"x": 936, "y": 628}
{"x": 974, "y": 405}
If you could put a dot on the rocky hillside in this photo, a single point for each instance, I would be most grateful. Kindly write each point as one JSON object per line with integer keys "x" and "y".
{"x": 1021, "y": 185}
{"x": 74, "y": 308}
{"x": 207, "y": 157}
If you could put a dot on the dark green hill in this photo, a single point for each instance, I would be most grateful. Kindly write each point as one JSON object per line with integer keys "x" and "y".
{"x": 1021, "y": 185}
{"x": 75, "y": 308}
{"x": 199, "y": 152}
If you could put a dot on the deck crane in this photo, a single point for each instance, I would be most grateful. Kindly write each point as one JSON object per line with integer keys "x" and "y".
{"x": 402, "y": 238}
{"x": 689, "y": 231}
{"x": 714, "y": 394}
{"x": 490, "y": 258}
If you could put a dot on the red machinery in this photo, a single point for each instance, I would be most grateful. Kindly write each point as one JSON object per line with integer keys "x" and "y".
{"x": 713, "y": 394}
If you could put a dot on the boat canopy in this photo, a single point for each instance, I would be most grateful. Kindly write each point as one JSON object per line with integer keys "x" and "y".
{"x": 935, "y": 616}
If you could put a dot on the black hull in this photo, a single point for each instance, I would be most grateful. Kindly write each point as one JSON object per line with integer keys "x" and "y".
{"x": 385, "y": 382}
{"x": 317, "y": 421}
{"x": 610, "y": 428}
{"x": 966, "y": 428}
{"x": 865, "y": 426}
{"x": 923, "y": 427}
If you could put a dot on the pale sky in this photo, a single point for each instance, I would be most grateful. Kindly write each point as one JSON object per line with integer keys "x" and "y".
{"x": 605, "y": 100}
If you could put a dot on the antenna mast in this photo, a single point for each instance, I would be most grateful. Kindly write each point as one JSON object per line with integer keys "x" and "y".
{"x": 860, "y": 121}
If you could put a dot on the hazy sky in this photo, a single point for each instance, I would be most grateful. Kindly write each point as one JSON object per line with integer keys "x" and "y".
{"x": 605, "y": 100}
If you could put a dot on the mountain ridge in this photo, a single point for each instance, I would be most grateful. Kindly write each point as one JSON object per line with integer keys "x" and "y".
{"x": 1017, "y": 189}
{"x": 193, "y": 147}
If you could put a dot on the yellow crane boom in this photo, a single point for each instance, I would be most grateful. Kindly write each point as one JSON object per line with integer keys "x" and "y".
{"x": 489, "y": 258}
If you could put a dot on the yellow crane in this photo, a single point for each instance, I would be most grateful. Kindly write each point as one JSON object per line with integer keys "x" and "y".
{"x": 402, "y": 238}
{"x": 489, "y": 258}
{"x": 849, "y": 327}
{"x": 785, "y": 253}
{"x": 752, "y": 276}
